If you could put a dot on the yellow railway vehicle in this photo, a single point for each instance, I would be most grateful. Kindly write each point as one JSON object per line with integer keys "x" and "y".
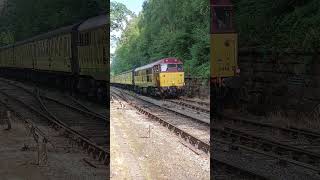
{"x": 72, "y": 57}
{"x": 92, "y": 53}
{"x": 223, "y": 54}
{"x": 224, "y": 41}
{"x": 164, "y": 77}
{"x": 124, "y": 78}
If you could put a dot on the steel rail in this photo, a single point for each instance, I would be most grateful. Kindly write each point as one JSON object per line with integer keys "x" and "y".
{"x": 197, "y": 143}
{"x": 193, "y": 101}
{"x": 190, "y": 106}
{"x": 263, "y": 144}
{"x": 236, "y": 169}
{"x": 92, "y": 148}
{"x": 290, "y": 131}
{"x": 181, "y": 114}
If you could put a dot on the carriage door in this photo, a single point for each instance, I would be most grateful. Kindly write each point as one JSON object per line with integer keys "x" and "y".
{"x": 156, "y": 78}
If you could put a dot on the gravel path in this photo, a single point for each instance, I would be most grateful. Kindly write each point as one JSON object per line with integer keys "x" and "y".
{"x": 135, "y": 155}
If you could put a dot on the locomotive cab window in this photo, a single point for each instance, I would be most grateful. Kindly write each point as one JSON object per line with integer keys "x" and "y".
{"x": 222, "y": 19}
{"x": 171, "y": 67}
{"x": 180, "y": 67}
{"x": 164, "y": 67}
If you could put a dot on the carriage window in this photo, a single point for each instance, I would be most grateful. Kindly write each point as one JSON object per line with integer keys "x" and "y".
{"x": 80, "y": 39}
{"x": 87, "y": 39}
{"x": 180, "y": 67}
{"x": 149, "y": 71}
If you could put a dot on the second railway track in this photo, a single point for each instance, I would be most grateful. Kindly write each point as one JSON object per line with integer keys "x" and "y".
{"x": 285, "y": 146}
{"x": 197, "y": 134}
{"x": 87, "y": 128}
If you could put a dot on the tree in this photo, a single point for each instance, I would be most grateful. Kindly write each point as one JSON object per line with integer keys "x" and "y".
{"x": 167, "y": 28}
{"x": 119, "y": 17}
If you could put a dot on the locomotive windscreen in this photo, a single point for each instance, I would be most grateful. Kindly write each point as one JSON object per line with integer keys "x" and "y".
{"x": 222, "y": 19}
{"x": 171, "y": 67}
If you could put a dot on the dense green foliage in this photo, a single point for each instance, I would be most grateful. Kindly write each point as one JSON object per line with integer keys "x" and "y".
{"x": 181, "y": 29}
{"x": 25, "y": 18}
{"x": 167, "y": 28}
{"x": 119, "y": 18}
{"x": 279, "y": 24}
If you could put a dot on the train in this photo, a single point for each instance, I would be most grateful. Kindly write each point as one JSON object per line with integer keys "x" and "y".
{"x": 73, "y": 57}
{"x": 162, "y": 78}
{"x": 225, "y": 79}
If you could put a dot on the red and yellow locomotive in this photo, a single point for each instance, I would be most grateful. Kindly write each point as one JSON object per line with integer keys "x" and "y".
{"x": 164, "y": 78}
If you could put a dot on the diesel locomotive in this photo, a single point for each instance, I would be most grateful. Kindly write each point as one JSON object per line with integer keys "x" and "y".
{"x": 164, "y": 78}
{"x": 225, "y": 81}
{"x": 72, "y": 57}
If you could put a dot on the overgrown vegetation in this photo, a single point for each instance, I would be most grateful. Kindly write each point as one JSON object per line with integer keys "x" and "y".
{"x": 181, "y": 29}
{"x": 279, "y": 24}
{"x": 167, "y": 28}
{"x": 22, "y": 19}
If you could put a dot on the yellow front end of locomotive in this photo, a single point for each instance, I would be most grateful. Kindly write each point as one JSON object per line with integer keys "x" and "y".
{"x": 168, "y": 79}
{"x": 224, "y": 55}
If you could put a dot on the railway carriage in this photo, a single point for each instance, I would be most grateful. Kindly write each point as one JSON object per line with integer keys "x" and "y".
{"x": 92, "y": 54}
{"x": 124, "y": 79}
{"x": 73, "y": 57}
{"x": 164, "y": 77}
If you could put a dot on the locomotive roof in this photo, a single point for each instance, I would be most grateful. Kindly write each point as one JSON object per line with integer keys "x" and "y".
{"x": 161, "y": 61}
{"x": 84, "y": 25}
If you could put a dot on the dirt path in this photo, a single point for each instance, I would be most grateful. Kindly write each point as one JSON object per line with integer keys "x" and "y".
{"x": 135, "y": 155}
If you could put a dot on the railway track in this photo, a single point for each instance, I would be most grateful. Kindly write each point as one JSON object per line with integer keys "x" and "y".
{"x": 201, "y": 103}
{"x": 299, "y": 148}
{"x": 181, "y": 110}
{"x": 194, "y": 106}
{"x": 195, "y": 133}
{"x": 287, "y": 153}
{"x": 259, "y": 163}
{"x": 81, "y": 125}
{"x": 224, "y": 170}
{"x": 292, "y": 132}
{"x": 304, "y": 139}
